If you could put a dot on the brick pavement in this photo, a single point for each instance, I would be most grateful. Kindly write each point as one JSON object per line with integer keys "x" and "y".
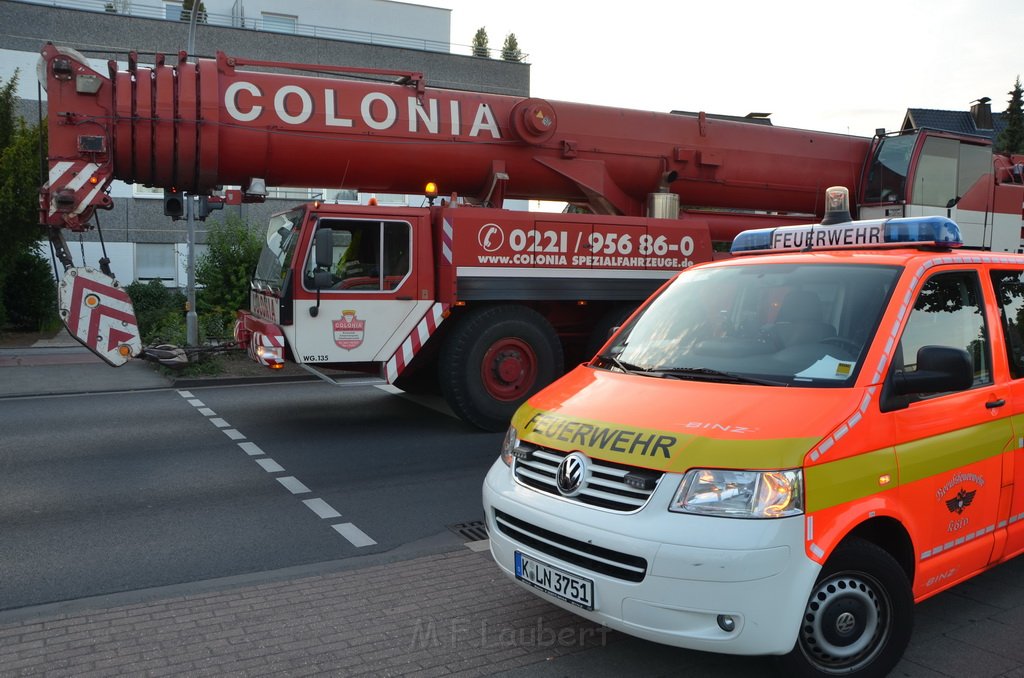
{"x": 447, "y": 614}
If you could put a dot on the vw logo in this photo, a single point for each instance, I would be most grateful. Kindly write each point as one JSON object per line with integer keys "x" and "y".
{"x": 845, "y": 623}
{"x": 571, "y": 474}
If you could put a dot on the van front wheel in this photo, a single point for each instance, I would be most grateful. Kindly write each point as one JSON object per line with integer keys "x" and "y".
{"x": 858, "y": 617}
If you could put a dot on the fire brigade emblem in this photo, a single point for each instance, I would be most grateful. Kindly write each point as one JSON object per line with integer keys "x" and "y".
{"x": 961, "y": 501}
{"x": 349, "y": 331}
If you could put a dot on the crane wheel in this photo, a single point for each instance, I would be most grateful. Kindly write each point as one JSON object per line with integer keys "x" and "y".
{"x": 494, "y": 360}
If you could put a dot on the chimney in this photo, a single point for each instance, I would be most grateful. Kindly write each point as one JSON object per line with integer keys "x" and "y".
{"x": 981, "y": 111}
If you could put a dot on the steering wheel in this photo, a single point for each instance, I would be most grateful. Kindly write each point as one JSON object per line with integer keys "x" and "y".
{"x": 848, "y": 345}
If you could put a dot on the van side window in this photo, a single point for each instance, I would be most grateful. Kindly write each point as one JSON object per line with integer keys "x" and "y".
{"x": 948, "y": 312}
{"x": 1009, "y": 287}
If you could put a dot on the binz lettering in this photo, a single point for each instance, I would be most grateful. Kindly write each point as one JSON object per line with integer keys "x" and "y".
{"x": 294, "y": 105}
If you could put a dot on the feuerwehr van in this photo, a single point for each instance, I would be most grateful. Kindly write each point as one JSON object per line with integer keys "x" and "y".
{"x": 780, "y": 454}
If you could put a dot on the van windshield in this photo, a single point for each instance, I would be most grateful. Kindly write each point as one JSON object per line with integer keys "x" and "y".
{"x": 778, "y": 324}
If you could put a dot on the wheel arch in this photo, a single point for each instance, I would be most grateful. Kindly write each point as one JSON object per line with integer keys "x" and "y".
{"x": 889, "y": 534}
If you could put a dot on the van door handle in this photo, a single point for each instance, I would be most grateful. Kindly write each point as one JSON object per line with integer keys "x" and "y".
{"x": 992, "y": 404}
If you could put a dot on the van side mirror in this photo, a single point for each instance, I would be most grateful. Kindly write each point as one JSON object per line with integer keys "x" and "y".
{"x": 940, "y": 369}
{"x": 323, "y": 248}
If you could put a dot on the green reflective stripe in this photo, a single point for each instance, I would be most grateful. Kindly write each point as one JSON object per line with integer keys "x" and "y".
{"x": 849, "y": 479}
{"x": 671, "y": 451}
{"x": 949, "y": 451}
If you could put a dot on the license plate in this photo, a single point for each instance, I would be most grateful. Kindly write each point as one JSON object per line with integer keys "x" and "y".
{"x": 555, "y": 581}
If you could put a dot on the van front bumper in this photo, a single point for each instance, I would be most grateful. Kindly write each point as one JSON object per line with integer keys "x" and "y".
{"x": 713, "y": 584}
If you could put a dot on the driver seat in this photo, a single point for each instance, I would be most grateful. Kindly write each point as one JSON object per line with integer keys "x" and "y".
{"x": 799, "y": 320}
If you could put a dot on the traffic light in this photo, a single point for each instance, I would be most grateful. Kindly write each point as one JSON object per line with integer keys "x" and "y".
{"x": 174, "y": 203}
{"x": 209, "y": 203}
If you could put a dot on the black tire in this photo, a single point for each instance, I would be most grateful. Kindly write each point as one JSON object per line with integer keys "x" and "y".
{"x": 421, "y": 382}
{"x": 858, "y": 618}
{"x": 496, "y": 358}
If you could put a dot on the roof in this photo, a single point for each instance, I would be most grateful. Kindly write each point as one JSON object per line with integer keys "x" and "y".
{"x": 961, "y": 122}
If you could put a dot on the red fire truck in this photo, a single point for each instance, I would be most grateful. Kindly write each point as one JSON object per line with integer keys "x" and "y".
{"x": 487, "y": 304}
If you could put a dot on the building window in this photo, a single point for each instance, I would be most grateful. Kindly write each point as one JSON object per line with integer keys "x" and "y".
{"x": 346, "y": 195}
{"x": 155, "y": 261}
{"x": 279, "y": 23}
{"x": 390, "y": 198}
{"x": 293, "y": 193}
{"x": 140, "y": 191}
{"x": 172, "y": 11}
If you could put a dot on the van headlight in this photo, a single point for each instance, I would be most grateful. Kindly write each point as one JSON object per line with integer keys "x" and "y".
{"x": 508, "y": 446}
{"x": 740, "y": 494}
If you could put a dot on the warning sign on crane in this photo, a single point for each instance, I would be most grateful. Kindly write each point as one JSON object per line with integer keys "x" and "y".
{"x": 99, "y": 315}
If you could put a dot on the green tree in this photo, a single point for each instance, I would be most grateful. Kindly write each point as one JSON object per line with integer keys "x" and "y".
{"x": 1011, "y": 139}
{"x": 224, "y": 270}
{"x": 510, "y": 50}
{"x": 186, "y": 11}
{"x": 20, "y": 166}
{"x": 160, "y": 312}
{"x": 480, "y": 48}
{"x": 30, "y": 297}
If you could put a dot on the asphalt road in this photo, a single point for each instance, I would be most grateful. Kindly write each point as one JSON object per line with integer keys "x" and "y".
{"x": 123, "y": 491}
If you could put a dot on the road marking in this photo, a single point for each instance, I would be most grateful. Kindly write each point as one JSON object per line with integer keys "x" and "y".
{"x": 293, "y": 485}
{"x": 321, "y": 508}
{"x": 269, "y": 465}
{"x": 356, "y": 536}
{"x": 252, "y": 449}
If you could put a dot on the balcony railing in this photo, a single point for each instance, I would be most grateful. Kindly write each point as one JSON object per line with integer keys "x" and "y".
{"x": 272, "y": 24}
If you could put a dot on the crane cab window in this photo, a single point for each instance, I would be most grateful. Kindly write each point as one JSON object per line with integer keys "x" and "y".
{"x": 368, "y": 256}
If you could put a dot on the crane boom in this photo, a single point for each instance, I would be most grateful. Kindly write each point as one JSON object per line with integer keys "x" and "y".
{"x": 193, "y": 126}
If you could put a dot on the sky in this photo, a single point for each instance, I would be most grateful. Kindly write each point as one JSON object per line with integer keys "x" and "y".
{"x": 845, "y": 67}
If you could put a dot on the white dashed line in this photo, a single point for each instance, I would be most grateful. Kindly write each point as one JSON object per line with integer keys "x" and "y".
{"x": 321, "y": 508}
{"x": 269, "y": 465}
{"x": 293, "y": 485}
{"x": 252, "y": 449}
{"x": 356, "y": 536}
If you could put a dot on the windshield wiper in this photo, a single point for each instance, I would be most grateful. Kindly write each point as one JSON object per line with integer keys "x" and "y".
{"x": 714, "y": 375}
{"x": 625, "y": 367}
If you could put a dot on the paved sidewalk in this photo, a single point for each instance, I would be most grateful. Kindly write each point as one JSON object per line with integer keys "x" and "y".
{"x": 448, "y": 614}
{"x": 62, "y": 365}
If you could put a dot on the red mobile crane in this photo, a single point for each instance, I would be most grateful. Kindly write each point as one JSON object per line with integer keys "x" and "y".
{"x": 484, "y": 302}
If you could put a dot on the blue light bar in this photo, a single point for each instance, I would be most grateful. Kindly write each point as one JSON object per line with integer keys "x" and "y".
{"x": 872, "y": 234}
